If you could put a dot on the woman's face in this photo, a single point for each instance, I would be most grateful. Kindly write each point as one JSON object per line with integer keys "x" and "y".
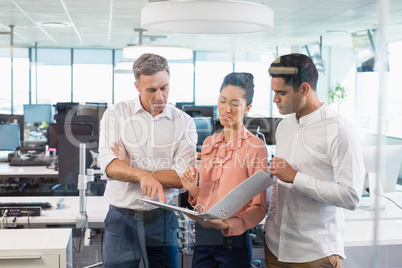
{"x": 232, "y": 107}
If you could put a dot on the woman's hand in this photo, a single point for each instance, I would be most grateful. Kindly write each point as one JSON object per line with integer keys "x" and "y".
{"x": 120, "y": 151}
{"x": 189, "y": 179}
{"x": 210, "y": 223}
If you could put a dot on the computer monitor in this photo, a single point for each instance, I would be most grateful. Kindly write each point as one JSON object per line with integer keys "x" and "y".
{"x": 79, "y": 119}
{"x": 69, "y": 130}
{"x": 14, "y": 118}
{"x": 65, "y": 107}
{"x": 392, "y": 155}
{"x": 204, "y": 111}
{"x": 37, "y": 113}
{"x": 92, "y": 108}
{"x": 180, "y": 105}
{"x": 204, "y": 128}
{"x": 69, "y": 156}
{"x": 264, "y": 125}
{"x": 10, "y": 136}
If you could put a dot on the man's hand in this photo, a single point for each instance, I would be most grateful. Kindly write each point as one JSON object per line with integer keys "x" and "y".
{"x": 282, "y": 170}
{"x": 150, "y": 186}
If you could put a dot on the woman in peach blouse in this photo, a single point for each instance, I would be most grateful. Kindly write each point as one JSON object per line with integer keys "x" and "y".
{"x": 227, "y": 159}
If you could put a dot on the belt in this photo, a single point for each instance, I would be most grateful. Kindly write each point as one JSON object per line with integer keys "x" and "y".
{"x": 142, "y": 214}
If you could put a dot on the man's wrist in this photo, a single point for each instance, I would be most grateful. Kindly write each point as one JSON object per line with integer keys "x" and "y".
{"x": 138, "y": 174}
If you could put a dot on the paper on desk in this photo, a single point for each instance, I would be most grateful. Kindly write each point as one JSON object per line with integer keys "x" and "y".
{"x": 231, "y": 203}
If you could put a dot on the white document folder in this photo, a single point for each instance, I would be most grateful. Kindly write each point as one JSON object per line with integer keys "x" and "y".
{"x": 231, "y": 203}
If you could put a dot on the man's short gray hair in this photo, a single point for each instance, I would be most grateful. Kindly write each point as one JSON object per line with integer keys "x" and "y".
{"x": 149, "y": 64}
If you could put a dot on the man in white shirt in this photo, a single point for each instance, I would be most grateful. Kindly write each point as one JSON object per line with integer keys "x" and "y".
{"x": 160, "y": 142}
{"x": 318, "y": 172}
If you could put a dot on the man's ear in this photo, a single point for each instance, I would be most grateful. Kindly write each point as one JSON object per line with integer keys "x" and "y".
{"x": 305, "y": 88}
{"x": 137, "y": 86}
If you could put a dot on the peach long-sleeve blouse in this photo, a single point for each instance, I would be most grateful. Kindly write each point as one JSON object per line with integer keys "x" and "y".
{"x": 223, "y": 166}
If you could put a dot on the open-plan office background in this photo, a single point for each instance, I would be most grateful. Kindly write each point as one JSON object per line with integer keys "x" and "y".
{"x": 54, "y": 75}
{"x": 48, "y": 76}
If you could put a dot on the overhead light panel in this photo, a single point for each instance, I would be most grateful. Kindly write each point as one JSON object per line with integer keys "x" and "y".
{"x": 169, "y": 52}
{"x": 207, "y": 17}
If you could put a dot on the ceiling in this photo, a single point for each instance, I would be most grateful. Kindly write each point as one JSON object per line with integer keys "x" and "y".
{"x": 110, "y": 24}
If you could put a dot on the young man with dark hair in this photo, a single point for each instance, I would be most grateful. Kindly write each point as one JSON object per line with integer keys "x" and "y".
{"x": 318, "y": 172}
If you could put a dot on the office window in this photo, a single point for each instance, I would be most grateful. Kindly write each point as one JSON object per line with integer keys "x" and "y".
{"x": 257, "y": 65}
{"x": 394, "y": 112}
{"x": 124, "y": 88}
{"x": 210, "y": 69}
{"x": 368, "y": 93}
{"x": 5, "y": 81}
{"x": 53, "y": 76}
{"x": 181, "y": 81}
{"x": 92, "y": 75}
{"x": 20, "y": 79}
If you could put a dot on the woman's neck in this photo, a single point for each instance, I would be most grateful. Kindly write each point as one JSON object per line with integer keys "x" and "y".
{"x": 230, "y": 132}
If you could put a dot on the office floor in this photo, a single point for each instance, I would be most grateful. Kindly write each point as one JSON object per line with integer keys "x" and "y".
{"x": 90, "y": 253}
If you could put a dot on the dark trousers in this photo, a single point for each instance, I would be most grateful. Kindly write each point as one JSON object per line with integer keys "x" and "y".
{"x": 213, "y": 250}
{"x": 135, "y": 235}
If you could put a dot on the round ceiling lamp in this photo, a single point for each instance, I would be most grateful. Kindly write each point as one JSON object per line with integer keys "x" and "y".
{"x": 170, "y": 53}
{"x": 207, "y": 17}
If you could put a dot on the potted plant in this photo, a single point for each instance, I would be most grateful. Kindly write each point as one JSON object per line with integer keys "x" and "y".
{"x": 337, "y": 93}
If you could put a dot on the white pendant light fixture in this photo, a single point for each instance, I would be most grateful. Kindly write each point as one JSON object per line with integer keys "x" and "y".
{"x": 206, "y": 17}
{"x": 169, "y": 52}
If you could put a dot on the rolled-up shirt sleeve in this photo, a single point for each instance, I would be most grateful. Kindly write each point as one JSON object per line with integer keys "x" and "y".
{"x": 184, "y": 156}
{"x": 108, "y": 134}
{"x": 348, "y": 169}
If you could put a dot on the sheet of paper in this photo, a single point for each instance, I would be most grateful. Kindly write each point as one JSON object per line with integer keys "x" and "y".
{"x": 231, "y": 203}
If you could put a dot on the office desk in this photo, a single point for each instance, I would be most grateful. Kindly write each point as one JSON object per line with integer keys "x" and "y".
{"x": 7, "y": 171}
{"x": 97, "y": 208}
{"x": 391, "y": 212}
{"x": 36, "y": 248}
{"x": 359, "y": 228}
{"x": 359, "y": 235}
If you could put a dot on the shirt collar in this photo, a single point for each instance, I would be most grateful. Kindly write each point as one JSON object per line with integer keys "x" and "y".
{"x": 232, "y": 144}
{"x": 167, "y": 112}
{"x": 313, "y": 116}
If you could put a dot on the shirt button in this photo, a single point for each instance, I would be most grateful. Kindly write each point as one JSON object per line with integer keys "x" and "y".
{"x": 230, "y": 248}
{"x": 229, "y": 241}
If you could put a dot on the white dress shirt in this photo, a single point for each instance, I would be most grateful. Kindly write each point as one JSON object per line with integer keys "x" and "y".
{"x": 305, "y": 219}
{"x": 164, "y": 142}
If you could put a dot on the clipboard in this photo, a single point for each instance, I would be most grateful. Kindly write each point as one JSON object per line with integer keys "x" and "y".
{"x": 231, "y": 203}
